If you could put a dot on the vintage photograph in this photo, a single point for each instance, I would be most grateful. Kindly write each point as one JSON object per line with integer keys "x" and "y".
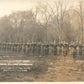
{"x": 41, "y": 40}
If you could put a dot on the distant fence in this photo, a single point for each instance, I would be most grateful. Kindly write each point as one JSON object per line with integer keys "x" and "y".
{"x": 37, "y": 49}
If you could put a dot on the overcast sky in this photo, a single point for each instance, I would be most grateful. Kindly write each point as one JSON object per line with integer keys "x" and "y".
{"x": 8, "y": 6}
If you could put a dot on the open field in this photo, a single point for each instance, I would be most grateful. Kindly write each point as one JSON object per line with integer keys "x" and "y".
{"x": 48, "y": 69}
{"x": 65, "y": 70}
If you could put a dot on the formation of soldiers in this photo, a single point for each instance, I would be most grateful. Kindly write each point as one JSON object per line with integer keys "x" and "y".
{"x": 37, "y": 49}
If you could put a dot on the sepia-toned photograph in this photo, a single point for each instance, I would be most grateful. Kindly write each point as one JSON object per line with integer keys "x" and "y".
{"x": 41, "y": 40}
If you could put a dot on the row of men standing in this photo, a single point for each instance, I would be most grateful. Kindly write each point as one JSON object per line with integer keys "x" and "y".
{"x": 44, "y": 49}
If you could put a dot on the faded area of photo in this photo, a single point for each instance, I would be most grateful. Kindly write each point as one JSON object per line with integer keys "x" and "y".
{"x": 42, "y": 41}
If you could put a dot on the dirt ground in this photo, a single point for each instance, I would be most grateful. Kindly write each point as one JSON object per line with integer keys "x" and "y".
{"x": 58, "y": 69}
{"x": 64, "y": 70}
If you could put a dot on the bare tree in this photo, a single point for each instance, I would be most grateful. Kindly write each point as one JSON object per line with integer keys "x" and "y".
{"x": 45, "y": 15}
{"x": 80, "y": 12}
{"x": 61, "y": 11}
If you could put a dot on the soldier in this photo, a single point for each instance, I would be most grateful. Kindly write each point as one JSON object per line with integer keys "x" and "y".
{"x": 74, "y": 54}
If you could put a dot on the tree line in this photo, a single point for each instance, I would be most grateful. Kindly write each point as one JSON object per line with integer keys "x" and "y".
{"x": 47, "y": 22}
